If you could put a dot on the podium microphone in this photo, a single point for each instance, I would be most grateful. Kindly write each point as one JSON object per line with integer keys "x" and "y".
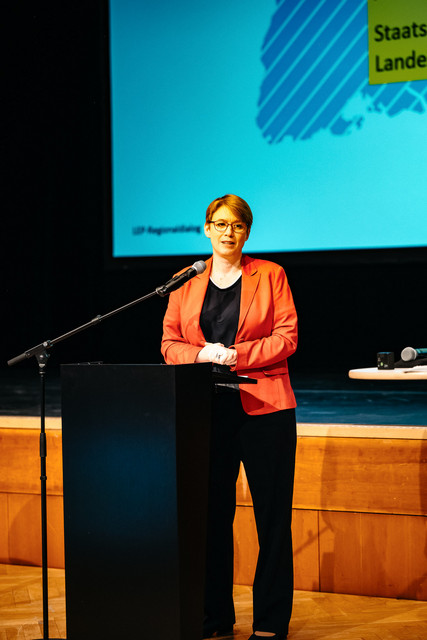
{"x": 177, "y": 281}
{"x": 409, "y": 354}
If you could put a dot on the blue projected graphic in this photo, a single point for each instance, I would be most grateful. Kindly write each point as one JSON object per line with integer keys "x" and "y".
{"x": 268, "y": 100}
{"x": 316, "y": 59}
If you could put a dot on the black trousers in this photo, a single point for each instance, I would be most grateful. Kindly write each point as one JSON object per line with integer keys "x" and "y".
{"x": 266, "y": 445}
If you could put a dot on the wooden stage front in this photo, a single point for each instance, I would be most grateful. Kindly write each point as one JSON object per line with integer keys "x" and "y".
{"x": 360, "y": 507}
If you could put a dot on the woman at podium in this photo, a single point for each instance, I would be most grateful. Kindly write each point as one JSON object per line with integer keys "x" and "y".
{"x": 239, "y": 314}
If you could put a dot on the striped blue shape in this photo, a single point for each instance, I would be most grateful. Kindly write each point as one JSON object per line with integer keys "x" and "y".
{"x": 315, "y": 55}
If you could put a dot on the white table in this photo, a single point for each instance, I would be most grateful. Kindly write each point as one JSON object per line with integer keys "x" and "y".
{"x": 372, "y": 373}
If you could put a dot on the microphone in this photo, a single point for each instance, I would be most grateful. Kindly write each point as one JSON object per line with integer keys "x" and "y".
{"x": 409, "y": 354}
{"x": 177, "y": 281}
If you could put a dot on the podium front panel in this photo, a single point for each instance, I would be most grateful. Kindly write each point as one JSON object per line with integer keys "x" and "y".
{"x": 135, "y": 464}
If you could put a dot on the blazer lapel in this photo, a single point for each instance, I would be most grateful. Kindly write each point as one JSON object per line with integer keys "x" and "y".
{"x": 198, "y": 293}
{"x": 250, "y": 280}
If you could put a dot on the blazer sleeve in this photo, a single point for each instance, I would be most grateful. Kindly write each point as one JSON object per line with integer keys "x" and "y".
{"x": 269, "y": 333}
{"x": 180, "y": 344}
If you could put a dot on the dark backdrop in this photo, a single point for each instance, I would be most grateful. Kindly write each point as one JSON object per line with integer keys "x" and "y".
{"x": 54, "y": 234}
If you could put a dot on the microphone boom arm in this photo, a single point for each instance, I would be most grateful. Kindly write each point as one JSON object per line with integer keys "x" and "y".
{"x": 171, "y": 285}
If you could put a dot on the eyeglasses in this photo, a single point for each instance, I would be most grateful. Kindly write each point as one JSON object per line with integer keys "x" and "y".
{"x": 222, "y": 225}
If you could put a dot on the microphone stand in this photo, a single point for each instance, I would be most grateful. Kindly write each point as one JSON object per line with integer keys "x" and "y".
{"x": 41, "y": 355}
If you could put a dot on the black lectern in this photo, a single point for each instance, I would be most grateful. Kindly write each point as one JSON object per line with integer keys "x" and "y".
{"x": 135, "y": 463}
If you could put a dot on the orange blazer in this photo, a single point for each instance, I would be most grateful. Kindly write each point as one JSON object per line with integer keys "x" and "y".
{"x": 266, "y": 334}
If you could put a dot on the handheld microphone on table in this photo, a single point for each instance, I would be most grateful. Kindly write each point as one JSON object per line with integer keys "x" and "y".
{"x": 177, "y": 281}
{"x": 409, "y": 354}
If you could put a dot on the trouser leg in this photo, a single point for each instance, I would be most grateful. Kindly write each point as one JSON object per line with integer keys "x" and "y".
{"x": 268, "y": 452}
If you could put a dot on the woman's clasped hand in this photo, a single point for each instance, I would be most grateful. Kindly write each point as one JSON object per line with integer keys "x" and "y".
{"x": 217, "y": 353}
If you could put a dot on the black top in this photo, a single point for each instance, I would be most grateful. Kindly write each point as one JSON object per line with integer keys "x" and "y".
{"x": 219, "y": 318}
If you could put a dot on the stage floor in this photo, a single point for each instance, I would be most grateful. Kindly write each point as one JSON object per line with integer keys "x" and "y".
{"x": 316, "y": 616}
{"x": 321, "y": 398}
